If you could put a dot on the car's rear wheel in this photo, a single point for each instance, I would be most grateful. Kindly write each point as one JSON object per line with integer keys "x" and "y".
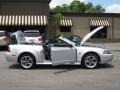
{"x": 90, "y": 61}
{"x": 27, "y": 61}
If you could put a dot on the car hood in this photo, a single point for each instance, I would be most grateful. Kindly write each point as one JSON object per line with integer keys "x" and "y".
{"x": 90, "y": 46}
{"x": 90, "y": 34}
{"x": 84, "y": 39}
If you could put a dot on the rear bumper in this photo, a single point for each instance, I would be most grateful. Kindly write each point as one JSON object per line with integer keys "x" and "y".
{"x": 32, "y": 41}
{"x": 28, "y": 42}
{"x": 106, "y": 58}
{"x": 10, "y": 58}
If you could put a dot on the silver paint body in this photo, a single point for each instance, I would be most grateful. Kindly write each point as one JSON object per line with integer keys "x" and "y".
{"x": 59, "y": 55}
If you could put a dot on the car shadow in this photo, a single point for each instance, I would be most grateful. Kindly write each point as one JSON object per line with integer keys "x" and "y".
{"x": 71, "y": 68}
{"x": 62, "y": 68}
{"x": 14, "y": 66}
{"x": 106, "y": 66}
{"x": 46, "y": 67}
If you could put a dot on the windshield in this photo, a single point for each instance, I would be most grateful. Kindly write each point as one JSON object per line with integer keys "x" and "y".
{"x": 32, "y": 34}
{"x": 67, "y": 40}
{"x": 76, "y": 39}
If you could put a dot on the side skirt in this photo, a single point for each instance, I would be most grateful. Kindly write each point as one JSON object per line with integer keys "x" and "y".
{"x": 50, "y": 63}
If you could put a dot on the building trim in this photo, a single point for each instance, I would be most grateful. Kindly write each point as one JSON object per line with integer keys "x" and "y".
{"x": 72, "y": 14}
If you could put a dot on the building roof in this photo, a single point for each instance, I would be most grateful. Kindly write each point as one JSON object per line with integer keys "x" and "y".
{"x": 25, "y": 0}
{"x": 88, "y": 14}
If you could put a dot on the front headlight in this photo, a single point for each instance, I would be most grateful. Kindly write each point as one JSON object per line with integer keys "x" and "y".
{"x": 106, "y": 52}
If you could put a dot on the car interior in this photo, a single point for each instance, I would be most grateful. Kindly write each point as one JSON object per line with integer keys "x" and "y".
{"x": 47, "y": 47}
{"x": 47, "y": 50}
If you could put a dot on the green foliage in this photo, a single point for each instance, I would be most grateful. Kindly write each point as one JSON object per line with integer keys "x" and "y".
{"x": 77, "y": 6}
{"x": 63, "y": 8}
{"x": 56, "y": 21}
{"x": 57, "y": 17}
{"x": 59, "y": 34}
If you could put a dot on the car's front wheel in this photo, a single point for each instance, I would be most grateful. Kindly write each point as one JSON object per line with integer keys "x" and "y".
{"x": 27, "y": 61}
{"x": 90, "y": 61}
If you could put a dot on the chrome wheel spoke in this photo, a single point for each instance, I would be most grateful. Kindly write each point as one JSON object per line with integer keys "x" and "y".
{"x": 26, "y": 62}
{"x": 90, "y": 61}
{"x": 87, "y": 61}
{"x": 94, "y": 62}
{"x": 91, "y": 64}
{"x": 29, "y": 63}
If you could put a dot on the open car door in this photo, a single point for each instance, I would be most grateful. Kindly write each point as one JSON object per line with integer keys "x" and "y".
{"x": 63, "y": 55}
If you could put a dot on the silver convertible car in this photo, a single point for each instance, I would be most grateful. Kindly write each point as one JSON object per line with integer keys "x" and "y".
{"x": 63, "y": 52}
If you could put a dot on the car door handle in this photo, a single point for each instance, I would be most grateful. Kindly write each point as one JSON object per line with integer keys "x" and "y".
{"x": 54, "y": 50}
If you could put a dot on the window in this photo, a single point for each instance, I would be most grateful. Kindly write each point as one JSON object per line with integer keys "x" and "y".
{"x": 65, "y": 29}
{"x": 100, "y": 34}
{"x": 61, "y": 43}
{"x": 32, "y": 34}
{"x": 2, "y": 34}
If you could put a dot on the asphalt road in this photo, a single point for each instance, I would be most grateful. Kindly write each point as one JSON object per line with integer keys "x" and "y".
{"x": 106, "y": 77}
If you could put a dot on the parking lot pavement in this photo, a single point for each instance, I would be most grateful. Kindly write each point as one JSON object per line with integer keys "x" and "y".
{"x": 106, "y": 77}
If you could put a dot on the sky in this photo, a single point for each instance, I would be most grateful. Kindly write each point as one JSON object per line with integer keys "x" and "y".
{"x": 111, "y": 6}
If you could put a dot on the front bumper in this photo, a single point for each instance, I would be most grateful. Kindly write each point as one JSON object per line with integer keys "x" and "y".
{"x": 106, "y": 58}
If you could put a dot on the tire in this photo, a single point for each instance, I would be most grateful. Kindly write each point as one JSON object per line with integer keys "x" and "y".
{"x": 27, "y": 61}
{"x": 90, "y": 61}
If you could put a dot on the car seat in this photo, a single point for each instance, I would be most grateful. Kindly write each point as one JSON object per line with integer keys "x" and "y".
{"x": 47, "y": 51}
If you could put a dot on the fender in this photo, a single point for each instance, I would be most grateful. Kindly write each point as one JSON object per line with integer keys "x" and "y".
{"x": 37, "y": 54}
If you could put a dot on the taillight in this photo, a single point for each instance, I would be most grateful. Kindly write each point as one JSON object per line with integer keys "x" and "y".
{"x": 7, "y": 49}
{"x": 40, "y": 39}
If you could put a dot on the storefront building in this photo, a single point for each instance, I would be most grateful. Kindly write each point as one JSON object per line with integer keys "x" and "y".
{"x": 82, "y": 23}
{"x": 35, "y": 15}
{"x": 24, "y": 15}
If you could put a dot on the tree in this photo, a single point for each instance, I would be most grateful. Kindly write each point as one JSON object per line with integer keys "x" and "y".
{"x": 65, "y": 8}
{"x": 58, "y": 9}
{"x": 89, "y": 7}
{"x": 56, "y": 22}
{"x": 77, "y": 6}
{"x": 98, "y": 9}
